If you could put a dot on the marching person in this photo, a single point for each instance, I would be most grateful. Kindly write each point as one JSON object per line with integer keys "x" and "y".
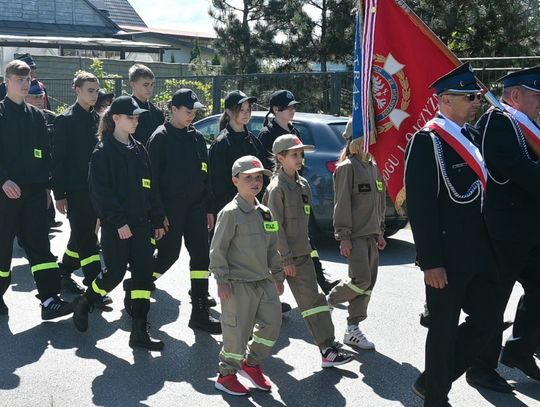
{"x": 245, "y": 262}
{"x": 122, "y": 192}
{"x": 288, "y": 197}
{"x": 142, "y": 82}
{"x": 359, "y": 207}
{"x": 283, "y": 107}
{"x": 513, "y": 194}
{"x": 75, "y": 138}
{"x": 233, "y": 142}
{"x": 445, "y": 181}
{"x": 180, "y": 180}
{"x": 24, "y": 177}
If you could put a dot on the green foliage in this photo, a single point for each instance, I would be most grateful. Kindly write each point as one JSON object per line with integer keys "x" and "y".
{"x": 202, "y": 89}
{"x": 216, "y": 60}
{"x": 96, "y": 67}
{"x": 195, "y": 51}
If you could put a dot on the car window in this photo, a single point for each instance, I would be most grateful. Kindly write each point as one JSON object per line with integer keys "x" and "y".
{"x": 255, "y": 125}
{"x": 209, "y": 128}
{"x": 338, "y": 129}
{"x": 305, "y": 134}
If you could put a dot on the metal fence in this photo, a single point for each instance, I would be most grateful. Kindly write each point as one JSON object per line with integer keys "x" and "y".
{"x": 319, "y": 92}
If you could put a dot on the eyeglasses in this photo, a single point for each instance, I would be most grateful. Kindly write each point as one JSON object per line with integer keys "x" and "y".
{"x": 469, "y": 96}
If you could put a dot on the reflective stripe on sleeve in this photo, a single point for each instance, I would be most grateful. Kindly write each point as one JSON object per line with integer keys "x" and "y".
{"x": 199, "y": 274}
{"x": 316, "y": 310}
{"x": 262, "y": 341}
{"x": 91, "y": 259}
{"x": 140, "y": 294}
{"x": 44, "y": 266}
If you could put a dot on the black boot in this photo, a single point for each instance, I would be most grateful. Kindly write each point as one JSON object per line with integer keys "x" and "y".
{"x": 139, "y": 337}
{"x": 211, "y": 300}
{"x": 325, "y": 284}
{"x": 81, "y": 308}
{"x": 201, "y": 318}
{"x": 127, "y": 296}
{"x": 516, "y": 354}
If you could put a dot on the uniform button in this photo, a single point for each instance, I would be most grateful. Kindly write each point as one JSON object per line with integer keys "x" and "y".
{"x": 443, "y": 232}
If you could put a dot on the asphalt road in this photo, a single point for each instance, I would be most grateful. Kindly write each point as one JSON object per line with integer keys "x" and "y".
{"x": 51, "y": 364}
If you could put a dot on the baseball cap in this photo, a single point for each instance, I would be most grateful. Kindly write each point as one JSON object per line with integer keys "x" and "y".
{"x": 187, "y": 98}
{"x": 35, "y": 89}
{"x": 28, "y": 59}
{"x": 125, "y": 105}
{"x": 249, "y": 164}
{"x": 289, "y": 142}
{"x": 282, "y": 98}
{"x": 237, "y": 97}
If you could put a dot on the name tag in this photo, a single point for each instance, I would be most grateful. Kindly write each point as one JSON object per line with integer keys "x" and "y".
{"x": 271, "y": 226}
{"x": 380, "y": 186}
{"x": 38, "y": 153}
{"x": 146, "y": 183}
{"x": 204, "y": 167}
{"x": 307, "y": 209}
{"x": 364, "y": 188}
{"x": 459, "y": 165}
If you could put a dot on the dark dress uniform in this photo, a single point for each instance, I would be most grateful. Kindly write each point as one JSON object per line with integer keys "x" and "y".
{"x": 75, "y": 137}
{"x": 25, "y": 160}
{"x": 180, "y": 177}
{"x": 512, "y": 202}
{"x": 444, "y": 199}
{"x": 148, "y": 121}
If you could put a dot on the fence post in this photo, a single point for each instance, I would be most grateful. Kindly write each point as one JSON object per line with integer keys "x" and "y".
{"x": 217, "y": 85}
{"x": 117, "y": 87}
{"x": 335, "y": 93}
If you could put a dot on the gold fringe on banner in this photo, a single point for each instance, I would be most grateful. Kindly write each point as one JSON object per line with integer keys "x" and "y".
{"x": 401, "y": 197}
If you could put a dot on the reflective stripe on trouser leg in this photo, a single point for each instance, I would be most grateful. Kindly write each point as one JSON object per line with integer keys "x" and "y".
{"x": 44, "y": 266}
{"x": 98, "y": 290}
{"x": 155, "y": 275}
{"x": 72, "y": 254}
{"x": 5, "y": 274}
{"x": 5, "y": 280}
{"x": 199, "y": 274}
{"x": 89, "y": 260}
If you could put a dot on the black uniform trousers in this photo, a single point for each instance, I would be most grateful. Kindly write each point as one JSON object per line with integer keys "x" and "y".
{"x": 118, "y": 253}
{"x": 450, "y": 349}
{"x": 191, "y": 224}
{"x": 83, "y": 240}
{"x": 519, "y": 261}
{"x": 28, "y": 216}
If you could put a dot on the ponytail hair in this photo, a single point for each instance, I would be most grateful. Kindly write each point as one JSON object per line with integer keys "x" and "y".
{"x": 266, "y": 119}
{"x": 224, "y": 120}
{"x": 106, "y": 125}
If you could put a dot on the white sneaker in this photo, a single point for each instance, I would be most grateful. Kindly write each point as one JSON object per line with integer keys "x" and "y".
{"x": 355, "y": 337}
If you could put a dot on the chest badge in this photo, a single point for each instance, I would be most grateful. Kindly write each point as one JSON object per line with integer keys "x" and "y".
{"x": 364, "y": 188}
{"x": 38, "y": 153}
{"x": 146, "y": 183}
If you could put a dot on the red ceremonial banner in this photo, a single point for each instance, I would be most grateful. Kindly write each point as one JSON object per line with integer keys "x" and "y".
{"x": 407, "y": 58}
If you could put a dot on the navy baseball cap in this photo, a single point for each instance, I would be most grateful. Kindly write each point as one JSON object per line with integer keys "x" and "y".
{"x": 28, "y": 59}
{"x": 36, "y": 89}
{"x": 237, "y": 97}
{"x": 187, "y": 98}
{"x": 458, "y": 80}
{"x": 528, "y": 78}
{"x": 125, "y": 105}
{"x": 282, "y": 98}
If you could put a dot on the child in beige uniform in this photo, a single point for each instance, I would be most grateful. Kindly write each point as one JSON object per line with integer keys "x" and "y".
{"x": 289, "y": 198}
{"x": 359, "y": 206}
{"x": 245, "y": 262}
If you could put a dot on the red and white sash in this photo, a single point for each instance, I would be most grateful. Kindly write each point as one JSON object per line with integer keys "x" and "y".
{"x": 461, "y": 145}
{"x": 529, "y": 129}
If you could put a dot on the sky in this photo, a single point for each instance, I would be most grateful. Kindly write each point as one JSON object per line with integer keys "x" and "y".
{"x": 182, "y": 15}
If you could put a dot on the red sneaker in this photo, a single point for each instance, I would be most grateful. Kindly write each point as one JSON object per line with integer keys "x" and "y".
{"x": 255, "y": 375}
{"x": 230, "y": 384}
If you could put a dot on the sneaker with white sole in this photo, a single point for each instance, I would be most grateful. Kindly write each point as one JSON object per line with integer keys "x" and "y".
{"x": 230, "y": 385}
{"x": 334, "y": 356}
{"x": 355, "y": 337}
{"x": 256, "y": 376}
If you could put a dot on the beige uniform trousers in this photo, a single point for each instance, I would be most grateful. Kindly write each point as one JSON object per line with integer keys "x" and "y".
{"x": 312, "y": 303}
{"x": 253, "y": 305}
{"x": 363, "y": 265}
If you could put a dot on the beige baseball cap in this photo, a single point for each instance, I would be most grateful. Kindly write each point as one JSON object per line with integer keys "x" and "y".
{"x": 289, "y": 142}
{"x": 249, "y": 164}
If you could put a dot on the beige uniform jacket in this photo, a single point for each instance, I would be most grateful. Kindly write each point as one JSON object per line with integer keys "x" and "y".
{"x": 290, "y": 202}
{"x": 244, "y": 247}
{"x": 359, "y": 199}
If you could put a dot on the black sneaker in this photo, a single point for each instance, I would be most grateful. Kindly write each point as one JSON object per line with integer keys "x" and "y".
{"x": 68, "y": 284}
{"x": 103, "y": 302}
{"x": 56, "y": 308}
{"x": 3, "y": 307}
{"x": 334, "y": 356}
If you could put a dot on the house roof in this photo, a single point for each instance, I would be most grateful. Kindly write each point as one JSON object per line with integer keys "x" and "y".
{"x": 164, "y": 31}
{"x": 120, "y": 11}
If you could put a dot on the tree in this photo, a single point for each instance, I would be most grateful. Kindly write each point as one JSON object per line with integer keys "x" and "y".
{"x": 484, "y": 28}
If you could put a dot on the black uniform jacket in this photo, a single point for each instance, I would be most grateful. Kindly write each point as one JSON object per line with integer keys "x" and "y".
{"x": 75, "y": 137}
{"x": 226, "y": 149}
{"x": 24, "y": 144}
{"x": 120, "y": 181}
{"x": 180, "y": 165}
{"x": 272, "y": 131}
{"x": 148, "y": 121}
{"x": 447, "y": 234}
{"x": 511, "y": 209}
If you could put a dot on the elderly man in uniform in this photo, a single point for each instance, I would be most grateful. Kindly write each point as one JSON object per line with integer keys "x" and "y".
{"x": 511, "y": 146}
{"x": 445, "y": 183}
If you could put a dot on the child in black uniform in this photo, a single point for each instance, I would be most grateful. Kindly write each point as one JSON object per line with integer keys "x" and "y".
{"x": 120, "y": 182}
